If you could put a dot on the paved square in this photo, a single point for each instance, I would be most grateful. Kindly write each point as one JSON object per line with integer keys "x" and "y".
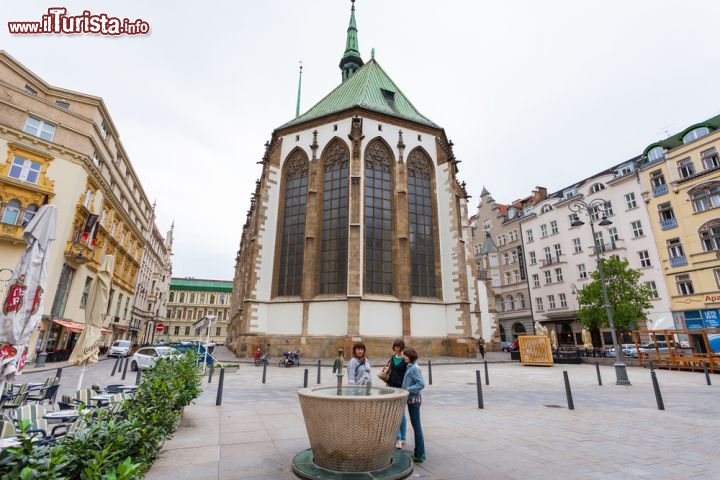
{"x": 614, "y": 432}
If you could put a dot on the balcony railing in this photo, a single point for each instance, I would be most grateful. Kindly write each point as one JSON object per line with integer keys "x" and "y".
{"x": 483, "y": 275}
{"x": 610, "y": 246}
{"x": 668, "y": 224}
{"x": 678, "y": 261}
{"x": 546, "y": 262}
{"x": 660, "y": 190}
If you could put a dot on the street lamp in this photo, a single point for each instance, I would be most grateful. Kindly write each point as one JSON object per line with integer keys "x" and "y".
{"x": 590, "y": 209}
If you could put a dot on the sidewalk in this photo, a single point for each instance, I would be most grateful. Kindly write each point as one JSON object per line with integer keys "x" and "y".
{"x": 525, "y": 430}
{"x": 55, "y": 366}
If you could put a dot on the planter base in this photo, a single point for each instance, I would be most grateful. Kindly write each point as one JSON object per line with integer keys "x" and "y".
{"x": 304, "y": 467}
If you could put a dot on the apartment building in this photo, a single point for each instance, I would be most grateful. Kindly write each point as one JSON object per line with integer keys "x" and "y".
{"x": 61, "y": 147}
{"x": 560, "y": 257}
{"x": 497, "y": 245}
{"x": 680, "y": 178}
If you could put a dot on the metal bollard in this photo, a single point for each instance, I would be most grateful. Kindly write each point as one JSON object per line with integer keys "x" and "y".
{"x": 568, "y": 392}
{"x": 707, "y": 375}
{"x": 127, "y": 360}
{"x": 218, "y": 400}
{"x": 429, "y": 372}
{"x": 58, "y": 374}
{"x": 487, "y": 375}
{"x": 597, "y": 369}
{"x": 478, "y": 381}
{"x": 656, "y": 387}
{"x": 652, "y": 367}
{"x": 211, "y": 370}
{"x": 318, "y": 380}
{"x": 305, "y": 378}
{"x": 264, "y": 372}
{"x": 117, "y": 360}
{"x": 138, "y": 376}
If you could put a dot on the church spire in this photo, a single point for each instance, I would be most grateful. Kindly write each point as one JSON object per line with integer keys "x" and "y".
{"x": 351, "y": 60}
{"x": 297, "y": 106}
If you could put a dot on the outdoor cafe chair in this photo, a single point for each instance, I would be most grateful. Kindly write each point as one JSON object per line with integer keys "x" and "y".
{"x": 82, "y": 397}
{"x": 46, "y": 392}
{"x": 35, "y": 414}
{"x": 7, "y": 430}
{"x": 11, "y": 401}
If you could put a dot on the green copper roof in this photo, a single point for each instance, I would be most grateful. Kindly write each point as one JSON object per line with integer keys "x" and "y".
{"x": 677, "y": 140}
{"x": 369, "y": 88}
{"x": 191, "y": 284}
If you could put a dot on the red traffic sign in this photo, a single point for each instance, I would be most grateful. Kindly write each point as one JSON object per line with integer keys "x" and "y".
{"x": 159, "y": 327}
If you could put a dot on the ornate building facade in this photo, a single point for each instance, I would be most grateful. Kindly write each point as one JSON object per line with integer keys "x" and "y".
{"x": 62, "y": 147}
{"x": 357, "y": 229}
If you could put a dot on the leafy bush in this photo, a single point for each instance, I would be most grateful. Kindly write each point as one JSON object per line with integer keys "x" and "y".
{"x": 120, "y": 447}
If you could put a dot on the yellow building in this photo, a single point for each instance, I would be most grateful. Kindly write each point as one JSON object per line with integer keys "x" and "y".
{"x": 190, "y": 300}
{"x": 681, "y": 179}
{"x": 61, "y": 147}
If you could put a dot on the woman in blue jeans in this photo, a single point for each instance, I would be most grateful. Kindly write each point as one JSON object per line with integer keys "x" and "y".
{"x": 414, "y": 383}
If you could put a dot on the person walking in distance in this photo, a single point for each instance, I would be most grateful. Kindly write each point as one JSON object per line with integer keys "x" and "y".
{"x": 398, "y": 366}
{"x": 481, "y": 347}
{"x": 414, "y": 383}
{"x": 358, "y": 367}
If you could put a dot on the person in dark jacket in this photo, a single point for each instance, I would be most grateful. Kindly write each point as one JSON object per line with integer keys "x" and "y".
{"x": 397, "y": 374}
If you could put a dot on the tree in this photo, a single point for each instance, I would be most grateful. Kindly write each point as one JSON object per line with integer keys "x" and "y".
{"x": 629, "y": 299}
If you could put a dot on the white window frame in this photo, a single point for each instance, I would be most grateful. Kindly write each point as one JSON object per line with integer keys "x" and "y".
{"x": 43, "y": 129}
{"x": 654, "y": 295}
{"x": 26, "y": 167}
{"x": 539, "y": 304}
{"x": 548, "y": 277}
{"x": 536, "y": 280}
{"x": 582, "y": 271}
{"x": 529, "y": 234}
{"x": 644, "y": 259}
{"x": 577, "y": 245}
{"x": 637, "y": 229}
{"x": 694, "y": 134}
{"x": 630, "y": 200}
{"x": 553, "y": 227}
{"x": 558, "y": 275}
{"x": 533, "y": 259}
{"x": 563, "y": 300}
{"x": 551, "y": 302}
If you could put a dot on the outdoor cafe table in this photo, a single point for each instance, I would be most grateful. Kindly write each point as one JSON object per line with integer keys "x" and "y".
{"x": 101, "y": 399}
{"x": 8, "y": 442}
{"x": 62, "y": 415}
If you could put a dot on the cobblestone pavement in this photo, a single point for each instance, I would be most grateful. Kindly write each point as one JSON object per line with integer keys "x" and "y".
{"x": 524, "y": 432}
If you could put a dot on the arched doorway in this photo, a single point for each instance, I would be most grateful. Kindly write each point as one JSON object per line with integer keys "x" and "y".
{"x": 518, "y": 329}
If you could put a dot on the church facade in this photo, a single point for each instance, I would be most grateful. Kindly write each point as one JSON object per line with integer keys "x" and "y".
{"x": 357, "y": 230}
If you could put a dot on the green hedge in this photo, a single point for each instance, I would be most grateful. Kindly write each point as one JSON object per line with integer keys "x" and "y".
{"x": 113, "y": 449}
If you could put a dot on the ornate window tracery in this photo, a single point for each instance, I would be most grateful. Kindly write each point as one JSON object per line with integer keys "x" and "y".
{"x": 334, "y": 227}
{"x": 378, "y": 218}
{"x": 293, "y": 225}
{"x": 421, "y": 215}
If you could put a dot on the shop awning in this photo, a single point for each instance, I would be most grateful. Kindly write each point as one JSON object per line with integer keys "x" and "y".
{"x": 120, "y": 327}
{"x": 77, "y": 327}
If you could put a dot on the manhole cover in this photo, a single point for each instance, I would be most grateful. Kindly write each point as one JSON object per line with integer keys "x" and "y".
{"x": 554, "y": 406}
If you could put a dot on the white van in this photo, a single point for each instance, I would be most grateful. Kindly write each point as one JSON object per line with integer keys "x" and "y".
{"x": 120, "y": 348}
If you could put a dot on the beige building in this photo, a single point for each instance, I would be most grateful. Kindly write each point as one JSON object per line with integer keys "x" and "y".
{"x": 62, "y": 147}
{"x": 497, "y": 245}
{"x": 190, "y": 300}
{"x": 681, "y": 186}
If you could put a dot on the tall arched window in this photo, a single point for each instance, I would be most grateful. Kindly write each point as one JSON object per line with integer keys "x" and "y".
{"x": 521, "y": 301}
{"x": 293, "y": 226}
{"x": 378, "y": 218}
{"x": 182, "y": 297}
{"x": 710, "y": 235}
{"x": 421, "y": 215}
{"x": 334, "y": 229}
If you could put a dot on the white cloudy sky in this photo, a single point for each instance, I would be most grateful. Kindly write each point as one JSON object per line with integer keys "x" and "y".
{"x": 531, "y": 92}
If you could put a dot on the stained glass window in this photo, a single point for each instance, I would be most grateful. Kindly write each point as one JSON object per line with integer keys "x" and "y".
{"x": 378, "y": 218}
{"x": 334, "y": 229}
{"x": 293, "y": 229}
{"x": 422, "y": 239}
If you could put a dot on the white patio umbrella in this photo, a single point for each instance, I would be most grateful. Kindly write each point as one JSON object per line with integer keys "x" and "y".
{"x": 22, "y": 307}
{"x": 88, "y": 344}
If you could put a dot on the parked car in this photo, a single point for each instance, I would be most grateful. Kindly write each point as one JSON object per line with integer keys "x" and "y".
{"x": 627, "y": 348}
{"x": 505, "y": 346}
{"x": 146, "y": 356}
{"x": 659, "y": 347}
{"x": 120, "y": 348}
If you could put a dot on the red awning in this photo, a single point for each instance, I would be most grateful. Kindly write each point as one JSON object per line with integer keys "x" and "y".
{"x": 77, "y": 327}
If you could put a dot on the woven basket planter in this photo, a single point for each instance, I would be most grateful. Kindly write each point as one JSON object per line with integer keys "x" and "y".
{"x": 352, "y": 432}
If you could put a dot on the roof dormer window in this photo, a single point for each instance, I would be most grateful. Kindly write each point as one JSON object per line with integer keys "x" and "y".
{"x": 63, "y": 105}
{"x": 657, "y": 153}
{"x": 547, "y": 208}
{"x": 389, "y": 97}
{"x": 695, "y": 134}
{"x": 597, "y": 187}
{"x": 30, "y": 90}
